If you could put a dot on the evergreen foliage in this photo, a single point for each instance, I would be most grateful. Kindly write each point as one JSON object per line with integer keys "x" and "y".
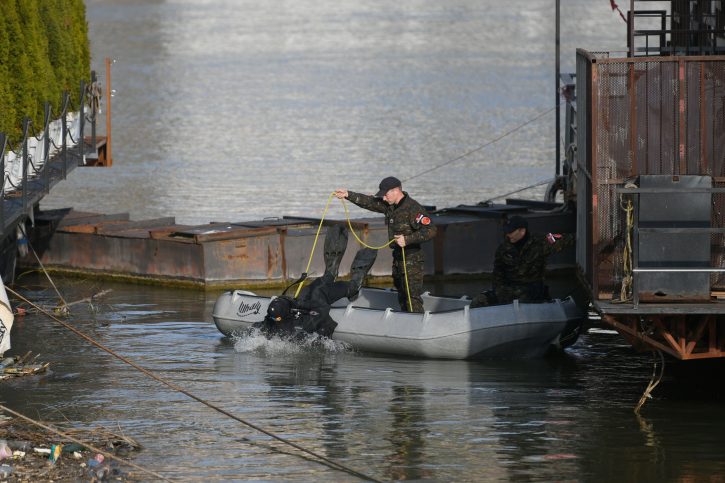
{"x": 44, "y": 51}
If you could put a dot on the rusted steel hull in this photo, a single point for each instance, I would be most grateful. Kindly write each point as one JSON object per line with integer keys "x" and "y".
{"x": 257, "y": 253}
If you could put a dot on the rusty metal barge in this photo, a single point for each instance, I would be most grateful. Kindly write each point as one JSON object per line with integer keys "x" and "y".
{"x": 269, "y": 253}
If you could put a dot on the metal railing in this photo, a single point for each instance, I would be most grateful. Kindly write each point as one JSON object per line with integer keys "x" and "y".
{"x": 37, "y": 159}
{"x": 688, "y": 29}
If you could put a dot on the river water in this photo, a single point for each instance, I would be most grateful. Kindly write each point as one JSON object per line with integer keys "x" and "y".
{"x": 227, "y": 110}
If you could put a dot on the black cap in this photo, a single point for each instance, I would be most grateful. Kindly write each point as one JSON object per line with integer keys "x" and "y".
{"x": 279, "y": 309}
{"x": 387, "y": 184}
{"x": 514, "y": 223}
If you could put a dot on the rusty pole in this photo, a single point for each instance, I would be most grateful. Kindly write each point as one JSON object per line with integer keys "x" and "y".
{"x": 630, "y": 27}
{"x": 109, "y": 157}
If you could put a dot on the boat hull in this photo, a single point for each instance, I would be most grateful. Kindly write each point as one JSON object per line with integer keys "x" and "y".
{"x": 449, "y": 329}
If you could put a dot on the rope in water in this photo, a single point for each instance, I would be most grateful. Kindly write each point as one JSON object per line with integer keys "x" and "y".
{"x": 64, "y": 308}
{"x": 82, "y": 443}
{"x": 654, "y": 380}
{"x": 360, "y": 241}
{"x": 320, "y": 458}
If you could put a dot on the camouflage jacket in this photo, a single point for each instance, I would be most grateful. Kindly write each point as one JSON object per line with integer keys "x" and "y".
{"x": 521, "y": 264}
{"x": 406, "y": 218}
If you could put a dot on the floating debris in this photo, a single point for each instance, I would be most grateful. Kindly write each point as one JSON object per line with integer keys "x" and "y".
{"x": 21, "y": 366}
{"x": 31, "y": 454}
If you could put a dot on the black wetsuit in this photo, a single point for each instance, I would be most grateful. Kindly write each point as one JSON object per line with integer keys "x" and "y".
{"x": 310, "y": 312}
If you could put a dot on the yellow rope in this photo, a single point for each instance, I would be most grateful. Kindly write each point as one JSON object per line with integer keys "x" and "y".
{"x": 349, "y": 223}
{"x": 626, "y": 292}
{"x": 407, "y": 288}
{"x": 314, "y": 244}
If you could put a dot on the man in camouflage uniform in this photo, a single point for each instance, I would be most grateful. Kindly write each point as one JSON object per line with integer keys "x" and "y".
{"x": 518, "y": 269}
{"x": 410, "y": 225}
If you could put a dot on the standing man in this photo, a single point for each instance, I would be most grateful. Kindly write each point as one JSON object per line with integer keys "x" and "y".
{"x": 520, "y": 263}
{"x": 410, "y": 225}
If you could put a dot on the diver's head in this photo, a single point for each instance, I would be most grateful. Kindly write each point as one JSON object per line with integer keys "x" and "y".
{"x": 279, "y": 309}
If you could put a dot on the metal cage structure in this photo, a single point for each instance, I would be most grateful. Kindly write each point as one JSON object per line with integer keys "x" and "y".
{"x": 643, "y": 118}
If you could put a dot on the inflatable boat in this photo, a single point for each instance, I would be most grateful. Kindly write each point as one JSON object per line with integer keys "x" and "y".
{"x": 449, "y": 328}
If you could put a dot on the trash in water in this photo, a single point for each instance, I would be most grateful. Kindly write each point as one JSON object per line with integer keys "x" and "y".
{"x": 96, "y": 460}
{"x": 5, "y": 451}
{"x": 55, "y": 451}
{"x": 97, "y": 468}
{"x": 18, "y": 366}
{"x": 19, "y": 445}
{"x": 73, "y": 447}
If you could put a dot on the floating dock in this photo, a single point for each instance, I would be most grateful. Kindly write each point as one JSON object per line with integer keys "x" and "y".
{"x": 269, "y": 253}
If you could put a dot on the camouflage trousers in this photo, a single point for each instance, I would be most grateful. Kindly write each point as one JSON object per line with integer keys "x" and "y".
{"x": 414, "y": 264}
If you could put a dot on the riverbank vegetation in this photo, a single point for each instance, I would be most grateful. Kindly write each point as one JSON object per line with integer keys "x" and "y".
{"x": 44, "y": 51}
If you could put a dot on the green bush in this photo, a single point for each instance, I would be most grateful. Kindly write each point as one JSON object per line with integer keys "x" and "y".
{"x": 43, "y": 52}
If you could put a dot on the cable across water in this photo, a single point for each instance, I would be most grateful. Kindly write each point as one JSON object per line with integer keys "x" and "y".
{"x": 319, "y": 458}
{"x": 493, "y": 141}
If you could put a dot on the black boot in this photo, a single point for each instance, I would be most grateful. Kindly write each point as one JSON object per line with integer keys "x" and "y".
{"x": 335, "y": 245}
{"x": 360, "y": 267}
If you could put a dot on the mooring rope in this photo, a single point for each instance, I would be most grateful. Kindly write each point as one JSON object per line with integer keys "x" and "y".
{"x": 64, "y": 308}
{"x": 320, "y": 458}
{"x": 625, "y": 292}
{"x": 493, "y": 141}
{"x": 654, "y": 380}
{"x": 82, "y": 443}
{"x": 538, "y": 183}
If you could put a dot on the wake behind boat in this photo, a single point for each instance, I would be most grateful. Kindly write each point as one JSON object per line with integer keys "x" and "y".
{"x": 449, "y": 328}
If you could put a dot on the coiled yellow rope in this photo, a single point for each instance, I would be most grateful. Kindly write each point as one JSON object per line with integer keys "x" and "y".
{"x": 349, "y": 223}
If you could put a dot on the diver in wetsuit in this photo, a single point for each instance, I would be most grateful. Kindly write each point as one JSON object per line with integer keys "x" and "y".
{"x": 310, "y": 312}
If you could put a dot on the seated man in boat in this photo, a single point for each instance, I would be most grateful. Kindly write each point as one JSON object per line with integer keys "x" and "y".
{"x": 310, "y": 311}
{"x": 519, "y": 265}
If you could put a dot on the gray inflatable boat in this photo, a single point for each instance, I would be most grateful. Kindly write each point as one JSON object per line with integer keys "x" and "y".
{"x": 449, "y": 328}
